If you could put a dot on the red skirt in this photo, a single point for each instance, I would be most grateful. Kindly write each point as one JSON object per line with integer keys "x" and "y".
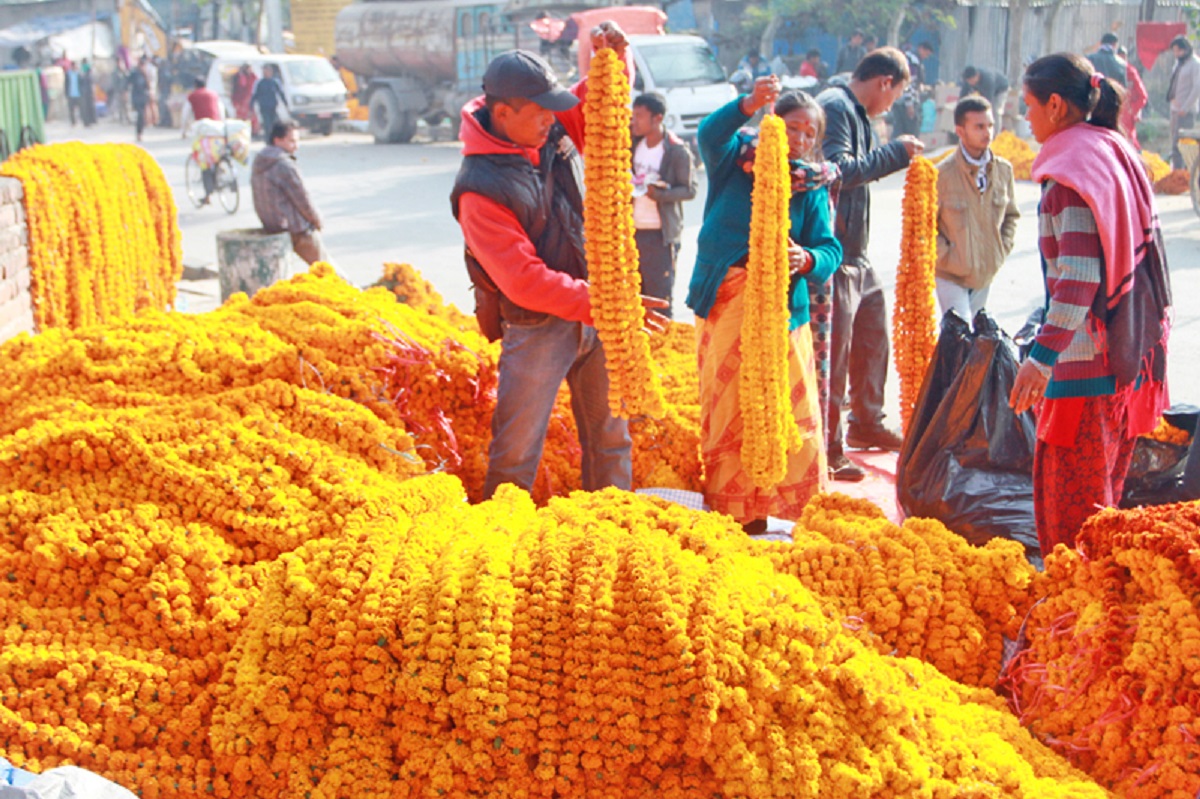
{"x": 1075, "y": 473}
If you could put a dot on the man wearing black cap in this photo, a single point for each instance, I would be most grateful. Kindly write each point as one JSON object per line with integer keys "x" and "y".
{"x": 519, "y": 201}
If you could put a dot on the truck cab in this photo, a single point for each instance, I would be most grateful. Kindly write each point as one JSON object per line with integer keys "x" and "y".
{"x": 685, "y": 71}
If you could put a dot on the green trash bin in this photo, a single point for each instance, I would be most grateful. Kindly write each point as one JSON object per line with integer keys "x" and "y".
{"x": 21, "y": 107}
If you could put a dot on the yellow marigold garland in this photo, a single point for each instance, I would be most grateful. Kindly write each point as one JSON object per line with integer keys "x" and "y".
{"x": 612, "y": 254}
{"x": 914, "y": 326}
{"x": 103, "y": 238}
{"x": 769, "y": 431}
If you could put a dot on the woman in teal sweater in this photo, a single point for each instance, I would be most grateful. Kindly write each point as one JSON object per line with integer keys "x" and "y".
{"x": 716, "y": 297}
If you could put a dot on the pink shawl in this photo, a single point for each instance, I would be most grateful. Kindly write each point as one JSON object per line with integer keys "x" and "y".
{"x": 1103, "y": 168}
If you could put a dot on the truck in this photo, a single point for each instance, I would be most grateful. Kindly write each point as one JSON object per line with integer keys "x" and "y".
{"x": 418, "y": 59}
{"x": 424, "y": 59}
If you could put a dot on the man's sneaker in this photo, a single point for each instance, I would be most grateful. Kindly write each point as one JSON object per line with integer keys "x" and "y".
{"x": 874, "y": 438}
{"x": 844, "y": 469}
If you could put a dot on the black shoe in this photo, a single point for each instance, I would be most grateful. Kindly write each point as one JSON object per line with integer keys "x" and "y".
{"x": 874, "y": 438}
{"x": 843, "y": 469}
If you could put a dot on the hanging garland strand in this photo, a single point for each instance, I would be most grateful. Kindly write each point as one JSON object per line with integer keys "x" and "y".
{"x": 914, "y": 330}
{"x": 616, "y": 284}
{"x": 769, "y": 427}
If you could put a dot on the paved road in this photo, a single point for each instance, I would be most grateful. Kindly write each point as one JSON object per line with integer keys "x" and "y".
{"x": 390, "y": 203}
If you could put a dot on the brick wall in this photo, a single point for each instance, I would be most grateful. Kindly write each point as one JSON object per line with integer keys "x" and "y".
{"x": 16, "y": 303}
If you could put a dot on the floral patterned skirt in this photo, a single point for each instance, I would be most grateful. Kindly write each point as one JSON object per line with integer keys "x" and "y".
{"x": 728, "y": 487}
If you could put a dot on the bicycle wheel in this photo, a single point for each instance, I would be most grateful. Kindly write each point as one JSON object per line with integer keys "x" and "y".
{"x": 193, "y": 181}
{"x": 226, "y": 185}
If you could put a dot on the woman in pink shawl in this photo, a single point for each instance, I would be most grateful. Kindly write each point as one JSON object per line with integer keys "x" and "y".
{"x": 1097, "y": 370}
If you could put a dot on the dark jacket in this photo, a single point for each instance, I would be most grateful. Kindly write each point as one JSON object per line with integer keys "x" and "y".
{"x": 678, "y": 173}
{"x": 268, "y": 94}
{"x": 848, "y": 143}
{"x": 990, "y": 84}
{"x": 848, "y": 57}
{"x": 280, "y": 199}
{"x": 535, "y": 259}
{"x": 139, "y": 88}
{"x": 1107, "y": 61}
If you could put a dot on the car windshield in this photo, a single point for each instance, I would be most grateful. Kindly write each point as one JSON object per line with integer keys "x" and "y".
{"x": 681, "y": 64}
{"x": 316, "y": 70}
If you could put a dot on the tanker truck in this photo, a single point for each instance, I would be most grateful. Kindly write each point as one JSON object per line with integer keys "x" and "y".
{"x": 424, "y": 59}
{"x": 419, "y": 59}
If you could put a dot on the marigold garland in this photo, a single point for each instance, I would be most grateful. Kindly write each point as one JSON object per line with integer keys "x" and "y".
{"x": 914, "y": 326}
{"x": 1111, "y": 672}
{"x": 1017, "y": 152}
{"x": 770, "y": 430}
{"x": 616, "y": 283}
{"x": 1156, "y": 167}
{"x": 103, "y": 238}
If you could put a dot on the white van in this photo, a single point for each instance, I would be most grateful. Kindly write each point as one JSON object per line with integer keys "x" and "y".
{"x": 316, "y": 96}
{"x": 685, "y": 71}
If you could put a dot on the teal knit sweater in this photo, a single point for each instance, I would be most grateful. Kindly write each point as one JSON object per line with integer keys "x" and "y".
{"x": 725, "y": 232}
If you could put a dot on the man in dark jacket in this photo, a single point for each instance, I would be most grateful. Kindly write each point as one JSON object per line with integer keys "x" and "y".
{"x": 268, "y": 94}
{"x": 859, "y": 336}
{"x": 519, "y": 201}
{"x": 280, "y": 199}
{"x": 850, "y": 53}
{"x": 988, "y": 84}
{"x": 139, "y": 95}
{"x": 1106, "y": 60}
{"x": 663, "y": 178}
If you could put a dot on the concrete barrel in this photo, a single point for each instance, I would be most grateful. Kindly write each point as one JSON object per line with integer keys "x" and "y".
{"x": 251, "y": 259}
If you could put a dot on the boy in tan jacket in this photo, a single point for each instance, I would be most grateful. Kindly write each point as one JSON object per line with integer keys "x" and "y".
{"x": 977, "y": 212}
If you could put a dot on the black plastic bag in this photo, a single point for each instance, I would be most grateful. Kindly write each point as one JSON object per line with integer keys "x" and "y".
{"x": 967, "y": 458}
{"x": 1157, "y": 467}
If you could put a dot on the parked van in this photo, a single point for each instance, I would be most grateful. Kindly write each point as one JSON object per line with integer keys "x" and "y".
{"x": 685, "y": 71}
{"x": 316, "y": 96}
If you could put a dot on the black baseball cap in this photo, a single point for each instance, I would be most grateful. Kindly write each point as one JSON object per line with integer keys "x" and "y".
{"x": 518, "y": 73}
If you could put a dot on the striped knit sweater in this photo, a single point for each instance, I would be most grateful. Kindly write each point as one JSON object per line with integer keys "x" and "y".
{"x": 1072, "y": 340}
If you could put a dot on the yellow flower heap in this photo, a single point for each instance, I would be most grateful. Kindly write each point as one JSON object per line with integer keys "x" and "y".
{"x": 1017, "y": 152}
{"x": 103, "y": 241}
{"x": 606, "y": 646}
{"x": 1111, "y": 678}
{"x": 914, "y": 328}
{"x": 224, "y": 573}
{"x": 769, "y": 426}
{"x": 612, "y": 255}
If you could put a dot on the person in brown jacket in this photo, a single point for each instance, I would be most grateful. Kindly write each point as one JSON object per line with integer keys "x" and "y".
{"x": 977, "y": 212}
{"x": 280, "y": 199}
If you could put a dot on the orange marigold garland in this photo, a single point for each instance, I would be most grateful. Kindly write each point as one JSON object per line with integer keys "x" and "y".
{"x": 1110, "y": 678}
{"x": 769, "y": 431}
{"x": 616, "y": 283}
{"x": 914, "y": 328}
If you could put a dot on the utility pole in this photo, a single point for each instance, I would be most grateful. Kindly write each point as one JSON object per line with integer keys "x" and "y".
{"x": 274, "y": 13}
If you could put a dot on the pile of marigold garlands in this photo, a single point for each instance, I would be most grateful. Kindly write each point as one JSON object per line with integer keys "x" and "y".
{"x": 103, "y": 242}
{"x": 228, "y": 568}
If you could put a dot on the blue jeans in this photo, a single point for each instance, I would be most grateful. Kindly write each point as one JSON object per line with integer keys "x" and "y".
{"x": 534, "y": 360}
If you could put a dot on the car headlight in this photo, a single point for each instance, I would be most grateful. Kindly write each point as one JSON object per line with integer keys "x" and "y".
{"x": 301, "y": 99}
{"x": 670, "y": 121}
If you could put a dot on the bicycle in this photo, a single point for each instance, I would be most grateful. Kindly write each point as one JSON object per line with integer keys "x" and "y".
{"x": 218, "y": 151}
